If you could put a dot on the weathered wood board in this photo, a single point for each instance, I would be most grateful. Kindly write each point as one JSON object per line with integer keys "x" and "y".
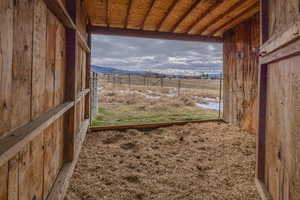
{"x": 32, "y": 84}
{"x": 282, "y": 166}
{"x": 241, "y": 47}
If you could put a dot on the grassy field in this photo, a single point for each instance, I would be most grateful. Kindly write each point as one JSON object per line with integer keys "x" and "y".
{"x": 121, "y": 104}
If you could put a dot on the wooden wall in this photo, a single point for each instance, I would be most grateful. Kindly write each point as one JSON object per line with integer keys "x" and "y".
{"x": 278, "y": 168}
{"x": 241, "y": 47}
{"x": 33, "y": 90}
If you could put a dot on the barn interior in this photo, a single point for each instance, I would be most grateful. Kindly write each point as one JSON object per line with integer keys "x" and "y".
{"x": 45, "y": 81}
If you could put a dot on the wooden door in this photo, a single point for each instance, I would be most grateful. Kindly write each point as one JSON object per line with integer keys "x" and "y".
{"x": 278, "y": 169}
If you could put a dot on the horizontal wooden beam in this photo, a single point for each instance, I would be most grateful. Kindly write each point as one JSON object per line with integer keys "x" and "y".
{"x": 61, "y": 184}
{"x": 16, "y": 140}
{"x": 292, "y": 49}
{"x": 60, "y": 12}
{"x": 83, "y": 42}
{"x": 154, "y": 34}
{"x": 82, "y": 94}
{"x": 145, "y": 126}
{"x": 281, "y": 39}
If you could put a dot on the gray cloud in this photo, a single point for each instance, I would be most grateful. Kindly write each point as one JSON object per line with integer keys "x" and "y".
{"x": 163, "y": 56}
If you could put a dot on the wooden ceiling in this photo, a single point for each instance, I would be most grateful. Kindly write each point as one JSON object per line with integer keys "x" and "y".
{"x": 188, "y": 17}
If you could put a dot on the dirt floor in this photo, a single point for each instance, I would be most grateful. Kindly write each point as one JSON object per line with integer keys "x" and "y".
{"x": 208, "y": 161}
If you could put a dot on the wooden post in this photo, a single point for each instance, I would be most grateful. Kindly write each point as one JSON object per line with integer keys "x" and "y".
{"x": 178, "y": 87}
{"x": 161, "y": 82}
{"x": 87, "y": 103}
{"x": 262, "y": 100}
{"x": 220, "y": 95}
{"x": 129, "y": 80}
{"x": 70, "y": 95}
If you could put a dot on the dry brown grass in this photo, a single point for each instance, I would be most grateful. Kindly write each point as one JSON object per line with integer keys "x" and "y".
{"x": 121, "y": 104}
{"x": 208, "y": 161}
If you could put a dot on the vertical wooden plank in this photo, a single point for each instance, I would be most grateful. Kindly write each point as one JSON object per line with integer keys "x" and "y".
{"x": 3, "y": 181}
{"x": 39, "y": 58}
{"x": 22, "y": 62}
{"x": 53, "y": 155}
{"x": 6, "y": 52}
{"x": 13, "y": 178}
{"x": 31, "y": 170}
{"x": 60, "y": 64}
{"x": 50, "y": 60}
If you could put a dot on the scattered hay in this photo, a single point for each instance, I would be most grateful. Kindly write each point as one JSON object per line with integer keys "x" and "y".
{"x": 209, "y": 161}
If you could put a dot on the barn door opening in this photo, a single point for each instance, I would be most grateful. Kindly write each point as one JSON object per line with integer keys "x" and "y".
{"x": 148, "y": 81}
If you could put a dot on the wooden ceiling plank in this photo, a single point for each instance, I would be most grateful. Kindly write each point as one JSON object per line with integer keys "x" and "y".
{"x": 170, "y": 9}
{"x": 128, "y": 13}
{"x": 185, "y": 15}
{"x": 202, "y": 16}
{"x": 147, "y": 14}
{"x": 235, "y": 6}
{"x": 229, "y": 16}
{"x": 237, "y": 20}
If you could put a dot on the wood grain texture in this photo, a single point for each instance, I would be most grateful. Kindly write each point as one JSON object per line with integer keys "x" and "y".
{"x": 282, "y": 165}
{"x": 176, "y": 16}
{"x": 22, "y": 62}
{"x": 13, "y": 178}
{"x": 197, "y": 11}
{"x": 60, "y": 65}
{"x": 39, "y": 59}
{"x": 61, "y": 184}
{"x": 4, "y": 181}
{"x": 241, "y": 74}
{"x": 50, "y": 60}
{"x": 237, "y": 20}
{"x": 282, "y": 15}
{"x": 53, "y": 154}
{"x": 58, "y": 8}
{"x": 19, "y": 138}
{"x": 228, "y": 16}
{"x": 157, "y": 13}
{"x": 31, "y": 170}
{"x": 6, "y": 54}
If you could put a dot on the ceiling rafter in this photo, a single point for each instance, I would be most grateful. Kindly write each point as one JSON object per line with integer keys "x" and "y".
{"x": 213, "y": 7}
{"x": 229, "y": 17}
{"x": 128, "y": 13}
{"x": 185, "y": 15}
{"x": 238, "y": 19}
{"x": 107, "y": 14}
{"x": 170, "y": 9}
{"x": 147, "y": 14}
{"x": 237, "y": 5}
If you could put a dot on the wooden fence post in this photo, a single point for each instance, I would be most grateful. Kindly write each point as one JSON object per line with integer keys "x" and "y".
{"x": 178, "y": 88}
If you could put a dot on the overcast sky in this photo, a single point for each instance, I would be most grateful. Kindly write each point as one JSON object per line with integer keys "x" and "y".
{"x": 162, "y": 56}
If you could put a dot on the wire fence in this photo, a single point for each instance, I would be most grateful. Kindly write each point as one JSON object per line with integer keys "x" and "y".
{"x": 184, "y": 82}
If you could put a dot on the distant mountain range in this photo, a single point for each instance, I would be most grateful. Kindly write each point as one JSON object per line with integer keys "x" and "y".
{"x": 111, "y": 70}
